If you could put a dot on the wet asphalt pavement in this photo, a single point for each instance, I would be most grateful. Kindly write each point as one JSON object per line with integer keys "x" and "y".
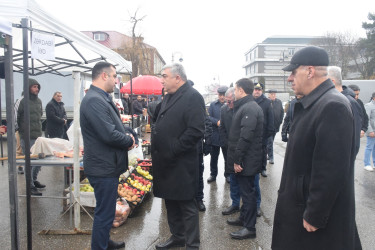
{"x": 148, "y": 224}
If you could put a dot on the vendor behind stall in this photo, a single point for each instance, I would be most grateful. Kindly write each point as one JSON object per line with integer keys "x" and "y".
{"x": 36, "y": 112}
{"x": 56, "y": 117}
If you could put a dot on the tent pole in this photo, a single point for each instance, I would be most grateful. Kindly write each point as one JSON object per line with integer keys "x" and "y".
{"x": 26, "y": 135}
{"x": 12, "y": 177}
{"x": 76, "y": 168}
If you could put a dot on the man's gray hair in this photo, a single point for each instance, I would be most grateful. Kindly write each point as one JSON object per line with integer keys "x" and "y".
{"x": 176, "y": 69}
{"x": 55, "y": 94}
{"x": 230, "y": 92}
{"x": 335, "y": 73}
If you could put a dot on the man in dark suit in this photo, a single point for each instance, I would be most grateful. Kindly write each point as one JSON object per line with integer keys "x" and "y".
{"x": 178, "y": 129}
{"x": 106, "y": 144}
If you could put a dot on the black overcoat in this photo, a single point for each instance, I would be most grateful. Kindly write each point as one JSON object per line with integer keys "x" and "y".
{"x": 317, "y": 183}
{"x": 178, "y": 129}
{"x": 268, "y": 121}
{"x": 56, "y": 117}
{"x": 245, "y": 137}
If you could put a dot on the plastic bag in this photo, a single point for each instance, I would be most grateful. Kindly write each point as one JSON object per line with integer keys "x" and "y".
{"x": 122, "y": 212}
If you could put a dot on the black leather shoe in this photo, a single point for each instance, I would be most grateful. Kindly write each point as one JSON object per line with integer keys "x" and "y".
{"x": 201, "y": 206}
{"x": 259, "y": 213}
{"x": 35, "y": 191}
{"x": 171, "y": 242}
{"x": 211, "y": 179}
{"x": 243, "y": 233}
{"x": 227, "y": 179}
{"x": 235, "y": 222}
{"x": 263, "y": 173}
{"x": 115, "y": 244}
{"x": 230, "y": 210}
{"x": 271, "y": 161}
{"x": 37, "y": 184}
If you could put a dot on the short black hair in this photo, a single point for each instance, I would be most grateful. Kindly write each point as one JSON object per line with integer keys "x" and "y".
{"x": 99, "y": 68}
{"x": 246, "y": 84}
{"x": 354, "y": 87}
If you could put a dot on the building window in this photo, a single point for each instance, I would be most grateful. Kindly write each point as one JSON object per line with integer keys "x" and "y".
{"x": 99, "y": 36}
{"x": 255, "y": 54}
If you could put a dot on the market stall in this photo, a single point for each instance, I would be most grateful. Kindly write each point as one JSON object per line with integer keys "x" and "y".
{"x": 68, "y": 50}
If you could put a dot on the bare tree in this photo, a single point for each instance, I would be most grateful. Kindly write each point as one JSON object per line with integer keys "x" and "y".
{"x": 341, "y": 48}
{"x": 135, "y": 50}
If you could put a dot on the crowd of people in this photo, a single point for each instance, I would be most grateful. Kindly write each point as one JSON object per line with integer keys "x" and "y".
{"x": 316, "y": 201}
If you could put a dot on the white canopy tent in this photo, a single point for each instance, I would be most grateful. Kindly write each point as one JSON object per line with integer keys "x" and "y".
{"x": 74, "y": 52}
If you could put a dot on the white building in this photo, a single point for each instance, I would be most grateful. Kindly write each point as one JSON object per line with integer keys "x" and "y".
{"x": 267, "y": 59}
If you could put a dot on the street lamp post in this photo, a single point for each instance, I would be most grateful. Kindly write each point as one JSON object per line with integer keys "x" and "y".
{"x": 180, "y": 59}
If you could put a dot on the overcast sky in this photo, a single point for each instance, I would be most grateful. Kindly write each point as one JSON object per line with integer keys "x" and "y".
{"x": 213, "y": 36}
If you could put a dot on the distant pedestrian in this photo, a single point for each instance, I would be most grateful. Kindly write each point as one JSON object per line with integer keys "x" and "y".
{"x": 268, "y": 130}
{"x": 334, "y": 73}
{"x": 269, "y": 124}
{"x": 370, "y": 145}
{"x": 226, "y": 118}
{"x": 138, "y": 105}
{"x": 315, "y": 208}
{"x": 357, "y": 90}
{"x": 126, "y": 103}
{"x": 178, "y": 130}
{"x": 19, "y": 151}
{"x": 289, "y": 118}
{"x": 36, "y": 112}
{"x": 56, "y": 117}
{"x": 106, "y": 144}
{"x": 151, "y": 108}
{"x": 214, "y": 115}
{"x": 278, "y": 113}
{"x": 245, "y": 155}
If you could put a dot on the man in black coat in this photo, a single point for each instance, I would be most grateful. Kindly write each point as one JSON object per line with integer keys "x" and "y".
{"x": 126, "y": 103}
{"x": 178, "y": 129}
{"x": 315, "y": 208}
{"x": 268, "y": 130}
{"x": 56, "y": 117}
{"x": 289, "y": 118}
{"x": 269, "y": 124}
{"x": 216, "y": 141}
{"x": 334, "y": 73}
{"x": 278, "y": 112}
{"x": 357, "y": 90}
{"x": 245, "y": 155}
{"x": 106, "y": 145}
{"x": 226, "y": 117}
{"x": 138, "y": 105}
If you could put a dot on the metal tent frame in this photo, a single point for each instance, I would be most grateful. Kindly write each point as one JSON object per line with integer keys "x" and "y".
{"x": 75, "y": 52}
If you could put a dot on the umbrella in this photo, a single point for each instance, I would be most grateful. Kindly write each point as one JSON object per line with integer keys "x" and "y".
{"x": 144, "y": 85}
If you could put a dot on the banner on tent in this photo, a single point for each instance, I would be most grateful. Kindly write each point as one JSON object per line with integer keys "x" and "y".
{"x": 43, "y": 46}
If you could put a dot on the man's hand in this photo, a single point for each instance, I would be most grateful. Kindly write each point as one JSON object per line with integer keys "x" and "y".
{"x": 308, "y": 227}
{"x": 362, "y": 133}
{"x": 371, "y": 134}
{"x": 132, "y": 146}
{"x": 237, "y": 168}
{"x": 218, "y": 123}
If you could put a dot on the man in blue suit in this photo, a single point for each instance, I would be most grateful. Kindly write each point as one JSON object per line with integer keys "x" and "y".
{"x": 106, "y": 145}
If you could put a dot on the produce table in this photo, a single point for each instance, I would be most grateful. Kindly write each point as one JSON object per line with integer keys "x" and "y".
{"x": 53, "y": 161}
